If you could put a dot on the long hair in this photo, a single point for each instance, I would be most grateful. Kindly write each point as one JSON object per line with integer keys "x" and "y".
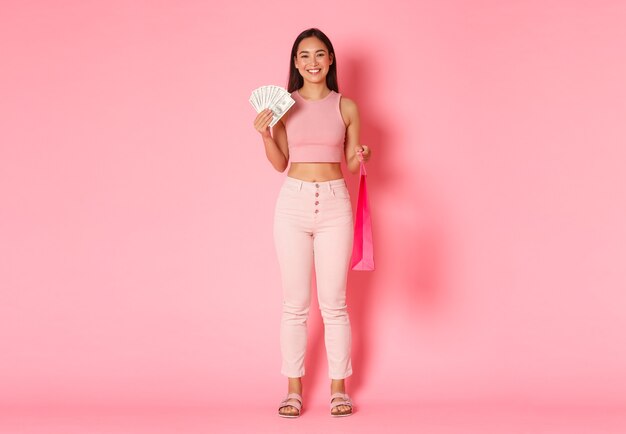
{"x": 295, "y": 79}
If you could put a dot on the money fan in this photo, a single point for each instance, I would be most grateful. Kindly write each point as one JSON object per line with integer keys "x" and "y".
{"x": 275, "y": 98}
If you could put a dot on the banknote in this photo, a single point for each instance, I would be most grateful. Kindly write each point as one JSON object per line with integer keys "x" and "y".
{"x": 273, "y": 97}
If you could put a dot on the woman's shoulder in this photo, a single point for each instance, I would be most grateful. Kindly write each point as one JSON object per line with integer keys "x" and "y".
{"x": 348, "y": 102}
{"x": 348, "y": 105}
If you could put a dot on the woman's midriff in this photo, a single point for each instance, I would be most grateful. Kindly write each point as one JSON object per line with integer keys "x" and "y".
{"x": 312, "y": 172}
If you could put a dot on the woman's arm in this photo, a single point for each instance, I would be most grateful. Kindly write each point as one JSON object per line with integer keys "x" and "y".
{"x": 276, "y": 148}
{"x": 279, "y": 153}
{"x": 351, "y": 114}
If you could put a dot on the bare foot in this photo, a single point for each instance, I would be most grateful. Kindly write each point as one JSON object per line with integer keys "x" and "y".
{"x": 339, "y": 386}
{"x": 295, "y": 386}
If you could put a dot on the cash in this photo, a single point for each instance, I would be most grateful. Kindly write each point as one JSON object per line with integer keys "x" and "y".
{"x": 276, "y": 98}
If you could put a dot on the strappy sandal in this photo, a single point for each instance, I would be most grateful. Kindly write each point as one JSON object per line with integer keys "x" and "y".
{"x": 297, "y": 404}
{"x": 345, "y": 400}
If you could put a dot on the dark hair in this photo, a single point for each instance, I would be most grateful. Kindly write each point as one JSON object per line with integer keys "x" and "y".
{"x": 295, "y": 79}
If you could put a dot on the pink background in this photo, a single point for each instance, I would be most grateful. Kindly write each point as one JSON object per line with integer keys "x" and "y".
{"x": 136, "y": 202}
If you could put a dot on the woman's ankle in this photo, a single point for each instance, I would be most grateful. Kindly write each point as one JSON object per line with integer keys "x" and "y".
{"x": 337, "y": 386}
{"x": 295, "y": 385}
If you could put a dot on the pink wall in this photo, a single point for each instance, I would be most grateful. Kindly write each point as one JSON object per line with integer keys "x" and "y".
{"x": 136, "y": 256}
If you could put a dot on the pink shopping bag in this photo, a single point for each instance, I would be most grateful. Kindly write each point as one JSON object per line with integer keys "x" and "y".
{"x": 362, "y": 248}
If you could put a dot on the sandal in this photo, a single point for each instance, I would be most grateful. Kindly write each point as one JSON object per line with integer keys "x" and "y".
{"x": 297, "y": 404}
{"x": 345, "y": 400}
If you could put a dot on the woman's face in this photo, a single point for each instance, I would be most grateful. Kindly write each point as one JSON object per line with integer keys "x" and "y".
{"x": 313, "y": 60}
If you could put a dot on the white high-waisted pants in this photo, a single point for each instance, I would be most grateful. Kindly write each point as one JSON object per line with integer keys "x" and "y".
{"x": 313, "y": 225}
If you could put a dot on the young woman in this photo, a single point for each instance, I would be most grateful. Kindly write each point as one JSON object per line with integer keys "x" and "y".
{"x": 313, "y": 221}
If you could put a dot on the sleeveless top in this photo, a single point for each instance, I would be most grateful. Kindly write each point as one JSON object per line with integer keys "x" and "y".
{"x": 315, "y": 129}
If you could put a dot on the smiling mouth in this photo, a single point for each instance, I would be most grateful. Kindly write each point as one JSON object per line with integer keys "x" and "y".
{"x": 314, "y": 71}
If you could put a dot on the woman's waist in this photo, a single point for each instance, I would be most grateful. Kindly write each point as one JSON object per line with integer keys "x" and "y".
{"x": 315, "y": 172}
{"x": 316, "y": 186}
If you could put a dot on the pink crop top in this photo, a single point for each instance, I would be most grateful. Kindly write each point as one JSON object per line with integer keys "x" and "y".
{"x": 315, "y": 129}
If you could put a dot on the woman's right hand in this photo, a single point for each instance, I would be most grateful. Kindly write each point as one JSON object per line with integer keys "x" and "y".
{"x": 262, "y": 122}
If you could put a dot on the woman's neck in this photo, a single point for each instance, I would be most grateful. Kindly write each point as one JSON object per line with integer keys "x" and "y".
{"x": 314, "y": 91}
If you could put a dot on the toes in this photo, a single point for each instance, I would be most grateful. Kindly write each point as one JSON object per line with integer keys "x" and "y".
{"x": 341, "y": 409}
{"x": 288, "y": 409}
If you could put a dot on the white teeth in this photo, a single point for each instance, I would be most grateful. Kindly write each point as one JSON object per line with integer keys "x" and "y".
{"x": 314, "y": 70}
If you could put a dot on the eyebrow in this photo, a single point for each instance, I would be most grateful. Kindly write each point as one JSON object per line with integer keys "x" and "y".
{"x": 306, "y": 51}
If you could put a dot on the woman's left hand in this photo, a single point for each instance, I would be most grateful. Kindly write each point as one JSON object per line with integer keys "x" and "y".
{"x": 364, "y": 153}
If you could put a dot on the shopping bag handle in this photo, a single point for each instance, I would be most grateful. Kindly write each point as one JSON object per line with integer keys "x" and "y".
{"x": 363, "y": 171}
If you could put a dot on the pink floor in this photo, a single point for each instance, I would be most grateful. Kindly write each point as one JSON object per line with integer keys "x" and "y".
{"x": 370, "y": 417}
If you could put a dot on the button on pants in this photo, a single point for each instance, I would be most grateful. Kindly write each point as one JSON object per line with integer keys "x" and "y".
{"x": 313, "y": 226}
